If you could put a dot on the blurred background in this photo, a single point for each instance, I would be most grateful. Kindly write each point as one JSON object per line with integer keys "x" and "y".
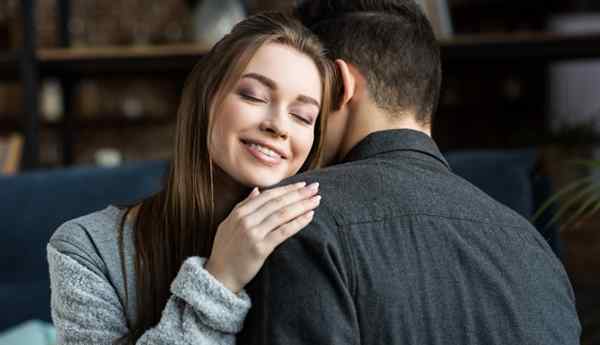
{"x": 96, "y": 83}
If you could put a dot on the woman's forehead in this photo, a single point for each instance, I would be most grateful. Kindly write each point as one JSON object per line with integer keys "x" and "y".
{"x": 287, "y": 68}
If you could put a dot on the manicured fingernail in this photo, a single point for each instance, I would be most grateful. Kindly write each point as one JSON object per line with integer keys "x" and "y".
{"x": 310, "y": 214}
{"x": 317, "y": 199}
{"x": 300, "y": 184}
{"x": 313, "y": 186}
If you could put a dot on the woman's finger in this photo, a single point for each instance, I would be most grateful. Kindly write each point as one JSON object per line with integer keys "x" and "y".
{"x": 265, "y": 196}
{"x": 280, "y": 204}
{"x": 255, "y": 192}
{"x": 286, "y": 214}
{"x": 282, "y": 233}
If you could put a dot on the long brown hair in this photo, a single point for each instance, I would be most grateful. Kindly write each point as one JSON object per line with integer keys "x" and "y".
{"x": 179, "y": 221}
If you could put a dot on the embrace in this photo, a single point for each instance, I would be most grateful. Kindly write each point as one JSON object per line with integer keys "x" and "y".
{"x": 306, "y": 203}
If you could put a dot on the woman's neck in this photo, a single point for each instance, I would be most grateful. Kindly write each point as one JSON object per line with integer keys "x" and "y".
{"x": 228, "y": 193}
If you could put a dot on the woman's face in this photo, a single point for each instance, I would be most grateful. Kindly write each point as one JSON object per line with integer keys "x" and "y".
{"x": 264, "y": 129}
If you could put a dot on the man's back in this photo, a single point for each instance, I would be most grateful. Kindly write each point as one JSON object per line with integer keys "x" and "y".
{"x": 402, "y": 251}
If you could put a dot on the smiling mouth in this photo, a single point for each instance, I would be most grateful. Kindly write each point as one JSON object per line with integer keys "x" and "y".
{"x": 263, "y": 153}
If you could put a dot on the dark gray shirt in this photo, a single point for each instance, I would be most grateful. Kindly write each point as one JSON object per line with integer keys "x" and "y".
{"x": 403, "y": 251}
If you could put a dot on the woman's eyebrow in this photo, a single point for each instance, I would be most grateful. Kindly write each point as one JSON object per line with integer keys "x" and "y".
{"x": 262, "y": 79}
{"x": 271, "y": 84}
{"x": 308, "y": 100}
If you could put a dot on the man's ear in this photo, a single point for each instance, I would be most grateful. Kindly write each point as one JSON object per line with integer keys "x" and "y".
{"x": 348, "y": 82}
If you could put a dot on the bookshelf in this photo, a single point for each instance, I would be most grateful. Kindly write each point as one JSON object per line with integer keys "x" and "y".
{"x": 174, "y": 61}
{"x": 538, "y": 47}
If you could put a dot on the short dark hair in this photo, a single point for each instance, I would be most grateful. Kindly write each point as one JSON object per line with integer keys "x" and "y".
{"x": 390, "y": 41}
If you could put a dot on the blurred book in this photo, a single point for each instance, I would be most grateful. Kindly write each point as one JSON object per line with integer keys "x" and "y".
{"x": 11, "y": 148}
{"x": 438, "y": 13}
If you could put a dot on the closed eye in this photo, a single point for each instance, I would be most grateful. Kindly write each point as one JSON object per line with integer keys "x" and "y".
{"x": 251, "y": 98}
{"x": 302, "y": 119}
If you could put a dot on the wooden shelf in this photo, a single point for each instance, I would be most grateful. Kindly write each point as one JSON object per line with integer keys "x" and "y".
{"x": 9, "y": 66}
{"x": 120, "y": 121}
{"x": 11, "y": 123}
{"x": 120, "y": 60}
{"x": 525, "y": 47}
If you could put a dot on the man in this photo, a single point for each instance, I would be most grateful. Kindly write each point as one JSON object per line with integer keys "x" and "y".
{"x": 401, "y": 250}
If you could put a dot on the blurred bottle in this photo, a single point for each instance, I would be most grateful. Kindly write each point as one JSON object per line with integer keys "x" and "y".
{"x": 51, "y": 100}
{"x": 213, "y": 19}
{"x": 573, "y": 91}
{"x": 108, "y": 157}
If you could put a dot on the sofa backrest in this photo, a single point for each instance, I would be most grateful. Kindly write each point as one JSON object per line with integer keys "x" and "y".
{"x": 33, "y": 205}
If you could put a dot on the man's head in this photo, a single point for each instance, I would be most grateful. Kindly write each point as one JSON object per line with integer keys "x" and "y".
{"x": 389, "y": 45}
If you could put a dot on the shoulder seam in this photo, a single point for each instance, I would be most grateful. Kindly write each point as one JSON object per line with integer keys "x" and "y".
{"x": 81, "y": 247}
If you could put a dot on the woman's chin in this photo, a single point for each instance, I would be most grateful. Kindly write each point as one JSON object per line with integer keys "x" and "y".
{"x": 263, "y": 182}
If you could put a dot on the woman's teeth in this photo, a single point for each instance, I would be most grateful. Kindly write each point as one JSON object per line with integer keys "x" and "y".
{"x": 266, "y": 151}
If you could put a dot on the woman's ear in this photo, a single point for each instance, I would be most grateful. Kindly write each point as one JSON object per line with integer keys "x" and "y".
{"x": 348, "y": 82}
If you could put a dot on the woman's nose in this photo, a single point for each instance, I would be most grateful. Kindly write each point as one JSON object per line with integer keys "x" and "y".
{"x": 275, "y": 125}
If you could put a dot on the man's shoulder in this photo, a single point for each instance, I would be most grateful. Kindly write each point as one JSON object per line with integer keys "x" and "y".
{"x": 371, "y": 190}
{"x": 345, "y": 190}
{"x": 331, "y": 173}
{"x": 334, "y": 181}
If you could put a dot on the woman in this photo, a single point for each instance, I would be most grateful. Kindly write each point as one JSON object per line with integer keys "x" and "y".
{"x": 252, "y": 113}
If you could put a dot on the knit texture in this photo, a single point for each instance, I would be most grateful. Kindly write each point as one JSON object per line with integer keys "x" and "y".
{"x": 88, "y": 303}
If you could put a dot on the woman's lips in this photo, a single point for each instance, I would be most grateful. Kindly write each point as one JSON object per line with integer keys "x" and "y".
{"x": 256, "y": 150}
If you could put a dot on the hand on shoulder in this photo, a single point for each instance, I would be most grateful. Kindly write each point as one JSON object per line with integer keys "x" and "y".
{"x": 255, "y": 227}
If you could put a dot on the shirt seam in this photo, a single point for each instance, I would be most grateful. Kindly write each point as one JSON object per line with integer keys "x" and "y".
{"x": 349, "y": 253}
{"x": 346, "y": 224}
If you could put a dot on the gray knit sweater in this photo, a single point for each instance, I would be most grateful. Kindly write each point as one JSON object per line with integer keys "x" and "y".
{"x": 88, "y": 291}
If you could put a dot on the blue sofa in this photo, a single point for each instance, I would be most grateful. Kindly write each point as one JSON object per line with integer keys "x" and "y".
{"x": 33, "y": 205}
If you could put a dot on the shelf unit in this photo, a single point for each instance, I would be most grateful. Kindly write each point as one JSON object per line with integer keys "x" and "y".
{"x": 70, "y": 65}
{"x": 11, "y": 122}
{"x": 81, "y": 62}
{"x": 539, "y": 47}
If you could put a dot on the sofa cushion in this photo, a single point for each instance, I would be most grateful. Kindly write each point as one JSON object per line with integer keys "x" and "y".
{"x": 33, "y": 205}
{"x": 504, "y": 175}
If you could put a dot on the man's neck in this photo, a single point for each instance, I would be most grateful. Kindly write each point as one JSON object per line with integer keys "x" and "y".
{"x": 368, "y": 119}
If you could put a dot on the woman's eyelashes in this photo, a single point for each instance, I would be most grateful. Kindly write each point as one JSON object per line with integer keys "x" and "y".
{"x": 303, "y": 118}
{"x": 252, "y": 97}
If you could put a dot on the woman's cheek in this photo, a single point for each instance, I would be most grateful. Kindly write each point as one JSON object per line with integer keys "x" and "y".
{"x": 307, "y": 144}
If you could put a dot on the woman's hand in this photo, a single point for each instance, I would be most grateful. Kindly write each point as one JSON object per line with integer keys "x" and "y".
{"x": 255, "y": 227}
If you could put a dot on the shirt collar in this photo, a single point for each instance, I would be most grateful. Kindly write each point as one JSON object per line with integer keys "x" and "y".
{"x": 395, "y": 140}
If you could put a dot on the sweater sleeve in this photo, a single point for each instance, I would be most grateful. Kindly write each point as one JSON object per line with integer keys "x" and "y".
{"x": 86, "y": 309}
